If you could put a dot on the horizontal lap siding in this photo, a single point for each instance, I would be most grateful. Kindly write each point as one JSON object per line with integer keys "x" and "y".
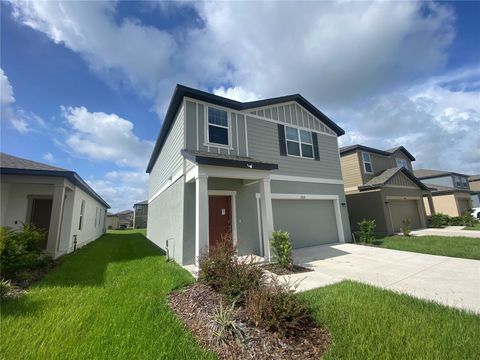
{"x": 170, "y": 160}
{"x": 263, "y": 145}
{"x": 351, "y": 171}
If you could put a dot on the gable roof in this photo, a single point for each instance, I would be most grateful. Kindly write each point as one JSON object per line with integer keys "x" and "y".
{"x": 144, "y": 202}
{"x": 12, "y": 165}
{"x": 441, "y": 189}
{"x": 182, "y": 91}
{"x": 388, "y": 174}
{"x": 344, "y": 150}
{"x": 428, "y": 174}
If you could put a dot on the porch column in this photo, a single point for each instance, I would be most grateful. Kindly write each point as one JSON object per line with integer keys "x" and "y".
{"x": 430, "y": 204}
{"x": 56, "y": 219}
{"x": 267, "y": 215}
{"x": 201, "y": 216}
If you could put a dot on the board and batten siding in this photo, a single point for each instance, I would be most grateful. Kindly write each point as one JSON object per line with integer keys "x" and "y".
{"x": 263, "y": 145}
{"x": 400, "y": 179}
{"x": 170, "y": 159}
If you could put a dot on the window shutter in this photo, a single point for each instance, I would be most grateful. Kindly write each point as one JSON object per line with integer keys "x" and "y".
{"x": 316, "y": 150}
{"x": 281, "y": 140}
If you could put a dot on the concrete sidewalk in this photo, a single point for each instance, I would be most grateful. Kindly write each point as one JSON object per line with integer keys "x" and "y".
{"x": 447, "y": 231}
{"x": 450, "y": 281}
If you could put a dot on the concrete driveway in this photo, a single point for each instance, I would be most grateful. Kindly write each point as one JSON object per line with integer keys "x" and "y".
{"x": 450, "y": 281}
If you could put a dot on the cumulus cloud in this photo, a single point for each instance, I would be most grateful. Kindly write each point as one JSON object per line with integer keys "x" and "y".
{"x": 236, "y": 93}
{"x": 121, "y": 189}
{"x": 105, "y": 137}
{"x": 49, "y": 157}
{"x": 6, "y": 91}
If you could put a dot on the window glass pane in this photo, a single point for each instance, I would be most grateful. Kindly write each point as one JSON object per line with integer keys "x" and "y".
{"x": 217, "y": 135}
{"x": 293, "y": 148}
{"x": 366, "y": 157}
{"x": 217, "y": 117}
{"x": 306, "y": 136}
{"x": 292, "y": 133}
{"x": 307, "y": 150}
{"x": 368, "y": 167}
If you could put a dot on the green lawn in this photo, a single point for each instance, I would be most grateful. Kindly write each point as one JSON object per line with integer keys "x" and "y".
{"x": 474, "y": 227}
{"x": 454, "y": 246}
{"x": 108, "y": 301}
{"x": 370, "y": 323}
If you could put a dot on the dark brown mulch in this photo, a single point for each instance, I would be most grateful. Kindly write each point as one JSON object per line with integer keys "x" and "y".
{"x": 27, "y": 277}
{"x": 279, "y": 270}
{"x": 195, "y": 306}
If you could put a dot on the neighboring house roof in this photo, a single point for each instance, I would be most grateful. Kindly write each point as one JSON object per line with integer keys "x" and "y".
{"x": 182, "y": 91}
{"x": 124, "y": 212}
{"x": 351, "y": 148}
{"x": 144, "y": 202}
{"x": 12, "y": 165}
{"x": 206, "y": 158}
{"x": 440, "y": 189}
{"x": 110, "y": 214}
{"x": 474, "y": 178}
{"x": 428, "y": 174}
{"x": 386, "y": 175}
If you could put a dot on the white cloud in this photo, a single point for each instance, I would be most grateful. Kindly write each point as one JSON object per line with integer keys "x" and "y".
{"x": 105, "y": 137}
{"x": 49, "y": 157}
{"x": 236, "y": 93}
{"x": 6, "y": 91}
{"x": 121, "y": 189}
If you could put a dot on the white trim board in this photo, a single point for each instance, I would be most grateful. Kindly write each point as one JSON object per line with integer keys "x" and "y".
{"x": 305, "y": 179}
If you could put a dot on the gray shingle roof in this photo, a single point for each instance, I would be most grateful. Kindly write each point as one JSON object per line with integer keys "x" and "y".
{"x": 144, "y": 202}
{"x": 474, "y": 178}
{"x": 445, "y": 189}
{"x": 386, "y": 175}
{"x": 347, "y": 149}
{"x": 428, "y": 173}
{"x": 12, "y": 162}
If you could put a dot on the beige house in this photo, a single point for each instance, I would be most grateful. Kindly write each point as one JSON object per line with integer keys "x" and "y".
{"x": 450, "y": 190}
{"x": 380, "y": 185}
{"x": 54, "y": 199}
{"x": 112, "y": 221}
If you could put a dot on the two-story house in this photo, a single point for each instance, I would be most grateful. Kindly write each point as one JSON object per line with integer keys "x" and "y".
{"x": 474, "y": 183}
{"x": 222, "y": 167}
{"x": 380, "y": 186}
{"x": 450, "y": 190}
{"x": 140, "y": 215}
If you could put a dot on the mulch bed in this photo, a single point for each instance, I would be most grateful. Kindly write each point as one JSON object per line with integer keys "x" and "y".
{"x": 278, "y": 270}
{"x": 195, "y": 306}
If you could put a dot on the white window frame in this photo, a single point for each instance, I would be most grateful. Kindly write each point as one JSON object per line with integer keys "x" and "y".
{"x": 228, "y": 127}
{"x": 82, "y": 214}
{"x": 300, "y": 143}
{"x": 367, "y": 162}
{"x": 403, "y": 161}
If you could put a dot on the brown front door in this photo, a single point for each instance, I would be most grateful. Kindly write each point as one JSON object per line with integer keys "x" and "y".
{"x": 41, "y": 212}
{"x": 219, "y": 218}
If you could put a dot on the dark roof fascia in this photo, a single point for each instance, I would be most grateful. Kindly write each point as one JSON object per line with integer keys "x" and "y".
{"x": 352, "y": 148}
{"x": 184, "y": 91}
{"x": 205, "y": 160}
{"x": 72, "y": 176}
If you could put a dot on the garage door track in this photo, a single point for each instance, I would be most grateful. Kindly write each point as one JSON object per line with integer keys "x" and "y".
{"x": 450, "y": 281}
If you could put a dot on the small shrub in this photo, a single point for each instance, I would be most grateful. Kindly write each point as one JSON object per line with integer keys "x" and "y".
{"x": 438, "y": 220}
{"x": 406, "y": 227}
{"x": 282, "y": 248}
{"x": 467, "y": 219}
{"x": 366, "y": 234}
{"x": 19, "y": 249}
{"x": 275, "y": 307}
{"x": 225, "y": 324}
{"x": 230, "y": 276}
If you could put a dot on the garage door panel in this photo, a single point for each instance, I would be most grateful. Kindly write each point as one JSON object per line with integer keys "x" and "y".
{"x": 404, "y": 209}
{"x": 309, "y": 222}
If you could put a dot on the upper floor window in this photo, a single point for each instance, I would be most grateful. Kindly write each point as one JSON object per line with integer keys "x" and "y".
{"x": 402, "y": 163}
{"x": 367, "y": 163}
{"x": 218, "y": 129}
{"x": 465, "y": 183}
{"x": 299, "y": 142}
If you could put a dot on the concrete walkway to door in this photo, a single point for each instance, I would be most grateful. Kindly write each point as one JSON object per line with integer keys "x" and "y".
{"x": 450, "y": 281}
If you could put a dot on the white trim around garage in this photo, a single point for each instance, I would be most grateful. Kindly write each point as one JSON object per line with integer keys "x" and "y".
{"x": 233, "y": 197}
{"x": 334, "y": 198}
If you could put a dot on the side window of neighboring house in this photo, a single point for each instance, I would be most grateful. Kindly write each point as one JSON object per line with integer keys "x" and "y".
{"x": 96, "y": 216}
{"x": 402, "y": 163}
{"x": 218, "y": 127}
{"x": 82, "y": 212}
{"x": 367, "y": 163}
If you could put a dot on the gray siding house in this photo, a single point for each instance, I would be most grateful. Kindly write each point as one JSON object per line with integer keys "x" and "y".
{"x": 221, "y": 166}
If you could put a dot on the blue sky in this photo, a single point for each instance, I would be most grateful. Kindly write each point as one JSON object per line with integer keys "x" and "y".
{"x": 85, "y": 84}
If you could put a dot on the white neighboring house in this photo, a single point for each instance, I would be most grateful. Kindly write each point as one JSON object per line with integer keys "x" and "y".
{"x": 52, "y": 198}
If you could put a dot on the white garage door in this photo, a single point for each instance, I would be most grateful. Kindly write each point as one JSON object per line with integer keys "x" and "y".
{"x": 309, "y": 222}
